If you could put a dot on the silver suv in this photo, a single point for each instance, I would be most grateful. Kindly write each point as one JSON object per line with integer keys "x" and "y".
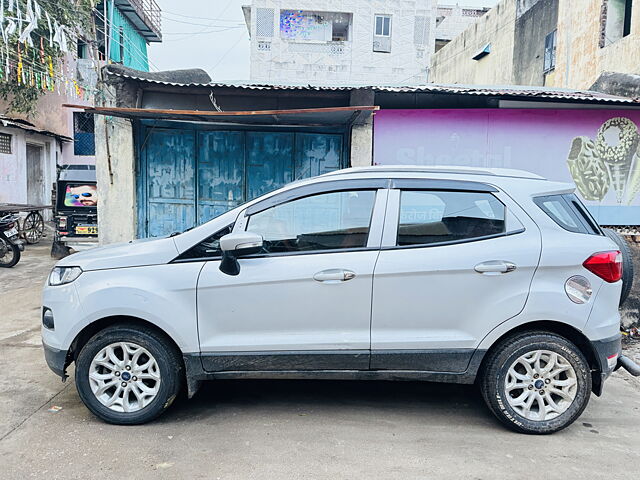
{"x": 440, "y": 274}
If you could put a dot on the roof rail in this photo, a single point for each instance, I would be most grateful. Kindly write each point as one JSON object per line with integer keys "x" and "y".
{"x": 498, "y": 172}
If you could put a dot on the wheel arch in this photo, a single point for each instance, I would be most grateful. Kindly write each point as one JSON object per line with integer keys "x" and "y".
{"x": 566, "y": 331}
{"x": 96, "y": 326}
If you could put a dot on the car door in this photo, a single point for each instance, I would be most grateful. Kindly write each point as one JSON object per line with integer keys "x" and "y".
{"x": 456, "y": 260}
{"x": 304, "y": 302}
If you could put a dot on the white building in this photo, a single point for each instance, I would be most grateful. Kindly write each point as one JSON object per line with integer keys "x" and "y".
{"x": 341, "y": 42}
{"x": 28, "y": 159}
{"x": 452, "y": 20}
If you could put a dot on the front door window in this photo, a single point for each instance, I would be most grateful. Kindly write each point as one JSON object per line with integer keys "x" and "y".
{"x": 328, "y": 221}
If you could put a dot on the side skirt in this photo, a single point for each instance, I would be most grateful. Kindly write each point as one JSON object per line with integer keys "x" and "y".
{"x": 196, "y": 373}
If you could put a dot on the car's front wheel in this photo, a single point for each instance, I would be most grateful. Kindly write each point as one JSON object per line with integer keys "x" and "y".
{"x": 128, "y": 374}
{"x": 536, "y": 382}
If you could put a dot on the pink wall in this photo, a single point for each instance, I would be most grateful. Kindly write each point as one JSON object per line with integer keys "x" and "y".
{"x": 529, "y": 139}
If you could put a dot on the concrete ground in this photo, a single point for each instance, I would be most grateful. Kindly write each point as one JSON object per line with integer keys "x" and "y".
{"x": 283, "y": 429}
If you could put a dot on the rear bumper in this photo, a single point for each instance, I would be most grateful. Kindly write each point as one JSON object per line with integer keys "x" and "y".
{"x": 607, "y": 352}
{"x": 79, "y": 243}
{"x": 56, "y": 359}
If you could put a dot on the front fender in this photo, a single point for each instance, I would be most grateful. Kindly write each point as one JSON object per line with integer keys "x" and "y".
{"x": 163, "y": 295}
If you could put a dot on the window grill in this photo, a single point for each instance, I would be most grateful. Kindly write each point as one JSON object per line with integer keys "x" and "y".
{"x": 83, "y": 134}
{"x": 420, "y": 30}
{"x": 5, "y": 143}
{"x": 264, "y": 22}
{"x": 472, "y": 12}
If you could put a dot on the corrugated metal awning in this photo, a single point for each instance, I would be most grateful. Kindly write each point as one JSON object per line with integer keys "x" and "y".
{"x": 29, "y": 127}
{"x": 331, "y": 116}
{"x": 535, "y": 93}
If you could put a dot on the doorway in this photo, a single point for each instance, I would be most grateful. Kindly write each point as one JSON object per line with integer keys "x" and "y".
{"x": 35, "y": 175}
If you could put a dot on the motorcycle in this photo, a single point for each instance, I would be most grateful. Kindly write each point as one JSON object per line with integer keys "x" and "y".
{"x": 10, "y": 244}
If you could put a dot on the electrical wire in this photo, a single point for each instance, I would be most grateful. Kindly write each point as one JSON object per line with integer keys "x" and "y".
{"x": 202, "y": 32}
{"x": 200, "y": 24}
{"x": 140, "y": 54}
{"x": 192, "y": 16}
{"x": 226, "y": 7}
{"x": 133, "y": 51}
{"x": 227, "y": 53}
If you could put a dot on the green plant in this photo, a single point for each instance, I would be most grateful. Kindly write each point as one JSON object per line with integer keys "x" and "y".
{"x": 22, "y": 97}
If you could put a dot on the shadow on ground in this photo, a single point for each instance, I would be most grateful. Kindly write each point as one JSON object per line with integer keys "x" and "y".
{"x": 460, "y": 403}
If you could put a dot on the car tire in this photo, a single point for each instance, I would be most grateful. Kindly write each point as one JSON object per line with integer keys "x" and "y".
{"x": 627, "y": 262}
{"x": 142, "y": 399}
{"x": 504, "y": 370}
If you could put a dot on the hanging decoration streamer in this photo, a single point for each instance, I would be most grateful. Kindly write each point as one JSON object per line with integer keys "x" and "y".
{"x": 26, "y": 61}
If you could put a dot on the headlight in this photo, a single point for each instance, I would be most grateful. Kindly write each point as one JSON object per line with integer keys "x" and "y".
{"x": 63, "y": 275}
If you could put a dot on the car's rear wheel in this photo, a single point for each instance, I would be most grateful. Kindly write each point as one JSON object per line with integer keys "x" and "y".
{"x": 536, "y": 382}
{"x": 128, "y": 374}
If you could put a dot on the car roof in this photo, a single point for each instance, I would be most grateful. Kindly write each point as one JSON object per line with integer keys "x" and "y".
{"x": 519, "y": 182}
{"x": 78, "y": 173}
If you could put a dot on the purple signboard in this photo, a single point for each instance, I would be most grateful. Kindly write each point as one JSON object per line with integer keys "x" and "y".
{"x": 598, "y": 150}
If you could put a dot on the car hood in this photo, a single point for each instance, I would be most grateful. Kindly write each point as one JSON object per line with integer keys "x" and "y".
{"x": 148, "y": 251}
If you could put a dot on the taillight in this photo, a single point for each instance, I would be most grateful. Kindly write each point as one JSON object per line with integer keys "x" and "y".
{"x": 606, "y": 265}
{"x": 62, "y": 222}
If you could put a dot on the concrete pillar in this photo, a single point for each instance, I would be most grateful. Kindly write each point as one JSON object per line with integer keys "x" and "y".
{"x": 362, "y": 144}
{"x": 115, "y": 171}
{"x": 361, "y": 154}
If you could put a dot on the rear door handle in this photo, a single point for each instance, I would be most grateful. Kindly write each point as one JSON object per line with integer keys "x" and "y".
{"x": 334, "y": 275}
{"x": 495, "y": 267}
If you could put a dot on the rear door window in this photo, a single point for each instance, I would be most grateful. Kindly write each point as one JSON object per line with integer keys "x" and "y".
{"x": 430, "y": 217}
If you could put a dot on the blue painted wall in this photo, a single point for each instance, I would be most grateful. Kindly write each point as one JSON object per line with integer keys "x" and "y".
{"x": 133, "y": 52}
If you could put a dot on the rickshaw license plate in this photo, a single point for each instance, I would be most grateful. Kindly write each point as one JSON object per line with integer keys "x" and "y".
{"x": 11, "y": 233}
{"x": 86, "y": 230}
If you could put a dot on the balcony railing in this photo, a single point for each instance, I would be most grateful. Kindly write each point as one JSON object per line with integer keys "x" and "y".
{"x": 146, "y": 15}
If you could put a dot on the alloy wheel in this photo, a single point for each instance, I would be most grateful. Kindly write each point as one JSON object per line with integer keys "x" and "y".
{"x": 124, "y": 377}
{"x": 541, "y": 385}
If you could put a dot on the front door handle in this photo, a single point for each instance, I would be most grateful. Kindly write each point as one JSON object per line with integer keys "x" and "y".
{"x": 334, "y": 275}
{"x": 495, "y": 267}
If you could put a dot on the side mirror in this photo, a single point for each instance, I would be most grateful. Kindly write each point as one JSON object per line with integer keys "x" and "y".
{"x": 234, "y": 245}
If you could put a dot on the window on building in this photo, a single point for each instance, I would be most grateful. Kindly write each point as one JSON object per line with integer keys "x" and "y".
{"x": 383, "y": 25}
{"x": 302, "y": 25}
{"x": 327, "y": 221}
{"x": 550, "y": 51}
{"x": 382, "y": 33}
{"x": 121, "y": 44}
{"x": 420, "y": 30}
{"x": 429, "y": 217}
{"x": 83, "y": 134}
{"x": 618, "y": 20}
{"x": 83, "y": 49}
{"x": 5, "y": 143}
